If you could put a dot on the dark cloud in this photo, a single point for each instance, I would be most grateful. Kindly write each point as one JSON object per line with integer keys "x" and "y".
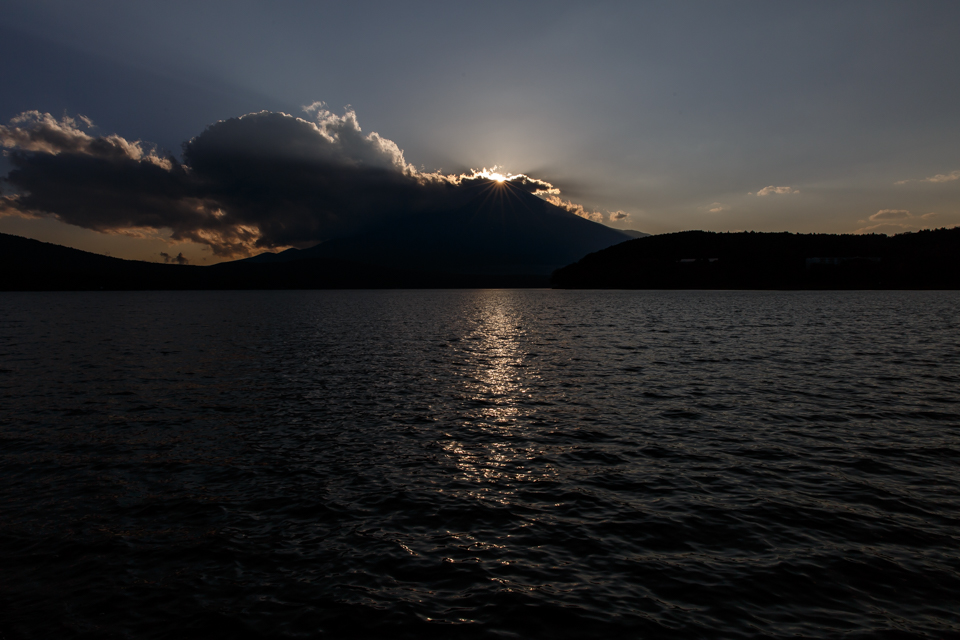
{"x": 179, "y": 259}
{"x": 35, "y": 131}
{"x": 108, "y": 184}
{"x": 261, "y": 181}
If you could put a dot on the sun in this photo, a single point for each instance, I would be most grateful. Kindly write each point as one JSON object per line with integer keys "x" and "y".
{"x": 493, "y": 174}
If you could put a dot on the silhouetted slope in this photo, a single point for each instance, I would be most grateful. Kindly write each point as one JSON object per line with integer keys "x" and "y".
{"x": 705, "y": 260}
{"x": 31, "y": 265}
{"x": 498, "y": 229}
{"x": 28, "y": 265}
{"x": 282, "y": 256}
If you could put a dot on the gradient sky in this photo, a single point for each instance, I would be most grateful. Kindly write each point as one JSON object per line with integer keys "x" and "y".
{"x": 800, "y": 116}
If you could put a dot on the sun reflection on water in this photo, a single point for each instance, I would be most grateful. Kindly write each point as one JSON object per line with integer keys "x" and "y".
{"x": 491, "y": 446}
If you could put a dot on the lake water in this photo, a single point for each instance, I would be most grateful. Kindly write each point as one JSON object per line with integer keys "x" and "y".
{"x": 471, "y": 464}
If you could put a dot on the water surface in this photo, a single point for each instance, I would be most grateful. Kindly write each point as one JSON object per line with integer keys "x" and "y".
{"x": 470, "y": 464}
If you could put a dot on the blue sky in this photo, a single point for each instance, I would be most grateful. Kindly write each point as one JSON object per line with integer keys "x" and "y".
{"x": 800, "y": 116}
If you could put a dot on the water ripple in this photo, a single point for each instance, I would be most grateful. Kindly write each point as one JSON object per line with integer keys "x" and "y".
{"x": 464, "y": 464}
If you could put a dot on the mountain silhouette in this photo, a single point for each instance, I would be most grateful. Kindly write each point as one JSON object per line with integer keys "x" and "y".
{"x": 496, "y": 229}
{"x": 927, "y": 259}
{"x": 692, "y": 259}
{"x": 31, "y": 265}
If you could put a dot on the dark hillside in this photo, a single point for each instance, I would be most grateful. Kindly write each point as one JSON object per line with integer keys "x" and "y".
{"x": 31, "y": 265}
{"x": 498, "y": 229}
{"x": 707, "y": 260}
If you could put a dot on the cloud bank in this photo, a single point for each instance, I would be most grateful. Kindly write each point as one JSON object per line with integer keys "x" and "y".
{"x": 578, "y": 209}
{"x": 772, "y": 190}
{"x": 890, "y": 214}
{"x": 896, "y": 220}
{"x": 258, "y": 182}
{"x": 940, "y": 177}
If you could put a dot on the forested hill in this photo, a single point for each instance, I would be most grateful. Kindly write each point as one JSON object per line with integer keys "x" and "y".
{"x": 748, "y": 260}
{"x": 31, "y": 265}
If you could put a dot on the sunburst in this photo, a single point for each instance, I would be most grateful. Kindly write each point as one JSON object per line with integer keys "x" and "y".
{"x": 493, "y": 174}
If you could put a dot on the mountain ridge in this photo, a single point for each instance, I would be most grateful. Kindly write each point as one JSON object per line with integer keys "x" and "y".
{"x": 497, "y": 229}
{"x": 748, "y": 260}
{"x": 33, "y": 265}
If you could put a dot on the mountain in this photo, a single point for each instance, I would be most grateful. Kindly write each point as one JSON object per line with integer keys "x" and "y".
{"x": 31, "y": 265}
{"x": 634, "y": 234}
{"x": 282, "y": 256}
{"x": 704, "y": 260}
{"x": 493, "y": 235}
{"x": 497, "y": 229}
{"x": 692, "y": 259}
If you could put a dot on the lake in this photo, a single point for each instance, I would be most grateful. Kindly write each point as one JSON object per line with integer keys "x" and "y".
{"x": 480, "y": 463}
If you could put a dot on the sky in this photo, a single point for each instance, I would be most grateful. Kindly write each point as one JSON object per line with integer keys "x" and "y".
{"x": 835, "y": 117}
